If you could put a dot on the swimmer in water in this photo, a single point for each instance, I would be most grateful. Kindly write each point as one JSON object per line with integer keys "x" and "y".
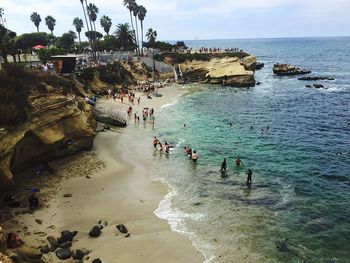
{"x": 223, "y": 166}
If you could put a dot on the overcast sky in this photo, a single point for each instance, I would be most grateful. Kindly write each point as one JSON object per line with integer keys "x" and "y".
{"x": 201, "y": 19}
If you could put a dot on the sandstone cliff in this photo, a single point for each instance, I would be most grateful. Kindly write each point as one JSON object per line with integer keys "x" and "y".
{"x": 50, "y": 121}
{"x": 229, "y": 69}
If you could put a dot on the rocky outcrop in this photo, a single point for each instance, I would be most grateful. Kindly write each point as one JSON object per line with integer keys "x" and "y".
{"x": 58, "y": 124}
{"x": 228, "y": 71}
{"x": 288, "y": 70}
{"x": 315, "y": 86}
{"x": 315, "y": 78}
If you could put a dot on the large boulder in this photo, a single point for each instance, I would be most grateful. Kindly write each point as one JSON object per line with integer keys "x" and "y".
{"x": 288, "y": 70}
{"x": 63, "y": 253}
{"x": 95, "y": 231}
{"x": 5, "y": 259}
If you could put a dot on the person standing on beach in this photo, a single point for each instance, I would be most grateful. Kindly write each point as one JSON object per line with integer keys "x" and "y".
{"x": 155, "y": 142}
{"x": 167, "y": 148}
{"x": 160, "y": 147}
{"x": 249, "y": 177}
{"x": 223, "y": 166}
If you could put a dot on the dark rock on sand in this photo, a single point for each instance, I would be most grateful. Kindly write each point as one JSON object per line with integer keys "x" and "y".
{"x": 122, "y": 228}
{"x": 67, "y": 195}
{"x": 96, "y": 260}
{"x": 64, "y": 253}
{"x": 39, "y": 221}
{"x": 75, "y": 233}
{"x": 95, "y": 231}
{"x": 52, "y": 241}
{"x": 288, "y": 70}
{"x": 315, "y": 78}
{"x": 78, "y": 254}
{"x": 67, "y": 235}
{"x": 66, "y": 244}
{"x": 45, "y": 249}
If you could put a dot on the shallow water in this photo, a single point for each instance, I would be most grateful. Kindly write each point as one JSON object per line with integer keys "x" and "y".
{"x": 297, "y": 209}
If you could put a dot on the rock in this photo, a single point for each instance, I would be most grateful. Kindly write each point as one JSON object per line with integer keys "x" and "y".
{"x": 315, "y": 86}
{"x": 95, "y": 231}
{"x": 67, "y": 195}
{"x": 127, "y": 235}
{"x": 45, "y": 249}
{"x": 78, "y": 254}
{"x": 52, "y": 241}
{"x": 288, "y": 70}
{"x": 25, "y": 252}
{"x": 2, "y": 240}
{"x": 67, "y": 235}
{"x": 259, "y": 65}
{"x": 5, "y": 259}
{"x": 39, "y": 221}
{"x": 75, "y": 233}
{"x": 88, "y": 177}
{"x": 315, "y": 78}
{"x": 65, "y": 244}
{"x": 64, "y": 253}
{"x": 96, "y": 260}
{"x": 52, "y": 248}
{"x": 122, "y": 228}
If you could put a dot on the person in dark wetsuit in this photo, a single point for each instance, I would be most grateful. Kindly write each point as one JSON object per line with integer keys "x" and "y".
{"x": 155, "y": 142}
{"x": 249, "y": 177}
{"x": 223, "y": 166}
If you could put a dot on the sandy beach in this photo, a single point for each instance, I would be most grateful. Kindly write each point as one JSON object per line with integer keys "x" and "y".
{"x": 118, "y": 190}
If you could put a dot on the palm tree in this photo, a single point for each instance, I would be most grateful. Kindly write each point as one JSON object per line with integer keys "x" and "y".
{"x": 141, "y": 16}
{"x": 152, "y": 36}
{"x": 78, "y": 23}
{"x": 106, "y": 23}
{"x": 130, "y": 4}
{"x": 36, "y": 19}
{"x": 93, "y": 11}
{"x": 135, "y": 12}
{"x": 2, "y": 15}
{"x": 124, "y": 35}
{"x": 87, "y": 27}
{"x": 50, "y": 22}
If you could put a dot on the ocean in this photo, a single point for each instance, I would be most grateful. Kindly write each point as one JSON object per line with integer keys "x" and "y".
{"x": 296, "y": 140}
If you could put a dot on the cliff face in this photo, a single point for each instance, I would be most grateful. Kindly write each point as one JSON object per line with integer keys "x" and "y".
{"x": 231, "y": 69}
{"x": 57, "y": 124}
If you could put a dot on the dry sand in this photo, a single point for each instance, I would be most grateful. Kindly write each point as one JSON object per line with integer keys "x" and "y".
{"x": 118, "y": 192}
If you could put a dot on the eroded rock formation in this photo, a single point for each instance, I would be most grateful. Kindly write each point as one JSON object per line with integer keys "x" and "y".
{"x": 288, "y": 70}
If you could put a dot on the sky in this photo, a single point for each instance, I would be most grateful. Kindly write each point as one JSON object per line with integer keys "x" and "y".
{"x": 197, "y": 19}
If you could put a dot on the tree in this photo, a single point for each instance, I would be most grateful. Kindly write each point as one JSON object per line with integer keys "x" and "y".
{"x": 45, "y": 54}
{"x": 66, "y": 41}
{"x": 135, "y": 12}
{"x": 93, "y": 35}
{"x": 152, "y": 36}
{"x": 36, "y": 19}
{"x": 50, "y": 22}
{"x": 87, "y": 27}
{"x": 2, "y": 10}
{"x": 27, "y": 41}
{"x": 106, "y": 23}
{"x": 125, "y": 36}
{"x": 141, "y": 16}
{"x": 130, "y": 4}
{"x": 78, "y": 23}
{"x": 93, "y": 11}
{"x": 109, "y": 42}
{"x": 6, "y": 42}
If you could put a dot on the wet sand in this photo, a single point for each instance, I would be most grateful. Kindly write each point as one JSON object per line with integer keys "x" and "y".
{"x": 118, "y": 192}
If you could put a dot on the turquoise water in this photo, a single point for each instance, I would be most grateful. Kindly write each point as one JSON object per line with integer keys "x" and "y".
{"x": 297, "y": 209}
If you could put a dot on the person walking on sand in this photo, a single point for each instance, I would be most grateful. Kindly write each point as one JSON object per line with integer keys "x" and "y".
{"x": 194, "y": 156}
{"x": 138, "y": 100}
{"x": 223, "y": 166}
{"x": 249, "y": 177}
{"x": 238, "y": 162}
{"x": 155, "y": 142}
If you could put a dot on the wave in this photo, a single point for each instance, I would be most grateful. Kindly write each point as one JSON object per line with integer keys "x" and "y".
{"x": 176, "y": 220}
{"x": 167, "y": 105}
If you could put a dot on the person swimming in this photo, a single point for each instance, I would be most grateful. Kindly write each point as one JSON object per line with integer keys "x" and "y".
{"x": 194, "y": 156}
{"x": 238, "y": 161}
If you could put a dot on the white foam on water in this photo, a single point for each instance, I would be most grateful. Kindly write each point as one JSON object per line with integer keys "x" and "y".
{"x": 181, "y": 141}
{"x": 176, "y": 219}
{"x": 169, "y": 104}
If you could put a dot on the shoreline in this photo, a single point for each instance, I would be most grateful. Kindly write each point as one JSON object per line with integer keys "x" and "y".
{"x": 115, "y": 194}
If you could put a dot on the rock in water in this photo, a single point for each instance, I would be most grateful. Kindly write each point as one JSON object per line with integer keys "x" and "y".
{"x": 122, "y": 228}
{"x": 64, "y": 253}
{"x": 52, "y": 241}
{"x": 78, "y": 254}
{"x": 95, "y": 231}
{"x": 288, "y": 70}
{"x": 315, "y": 78}
{"x": 96, "y": 260}
{"x": 45, "y": 249}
